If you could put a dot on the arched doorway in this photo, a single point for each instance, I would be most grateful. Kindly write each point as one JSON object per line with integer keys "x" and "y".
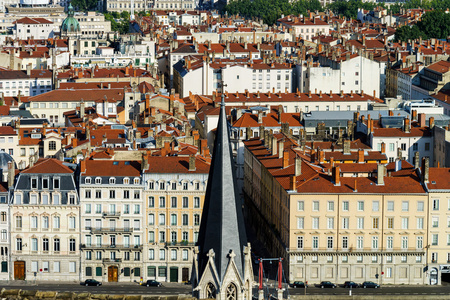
{"x": 433, "y": 276}
{"x": 113, "y": 274}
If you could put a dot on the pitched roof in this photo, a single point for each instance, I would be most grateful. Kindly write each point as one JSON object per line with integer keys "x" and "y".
{"x": 77, "y": 95}
{"x": 48, "y": 166}
{"x": 175, "y": 164}
{"x": 112, "y": 168}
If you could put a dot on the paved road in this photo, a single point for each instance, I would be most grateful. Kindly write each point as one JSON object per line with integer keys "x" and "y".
{"x": 384, "y": 290}
{"x": 179, "y": 289}
{"x": 117, "y": 289}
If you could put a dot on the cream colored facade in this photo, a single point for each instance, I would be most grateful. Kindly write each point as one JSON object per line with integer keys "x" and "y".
{"x": 174, "y": 203}
{"x": 355, "y": 237}
{"x": 337, "y": 228}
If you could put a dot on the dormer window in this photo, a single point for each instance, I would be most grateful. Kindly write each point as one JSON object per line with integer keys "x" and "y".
{"x": 162, "y": 185}
{"x": 112, "y": 180}
{"x": 98, "y": 180}
{"x": 136, "y": 180}
{"x": 151, "y": 185}
{"x": 126, "y": 180}
{"x": 45, "y": 183}
{"x": 56, "y": 183}
{"x": 34, "y": 183}
{"x": 87, "y": 180}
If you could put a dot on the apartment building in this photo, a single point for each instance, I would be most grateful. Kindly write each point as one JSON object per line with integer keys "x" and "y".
{"x": 342, "y": 71}
{"x": 45, "y": 218}
{"x": 7, "y": 180}
{"x": 303, "y": 27}
{"x": 174, "y": 191}
{"x": 25, "y": 83}
{"x": 112, "y": 231}
{"x": 328, "y": 224}
{"x": 199, "y": 77}
{"x": 438, "y": 251}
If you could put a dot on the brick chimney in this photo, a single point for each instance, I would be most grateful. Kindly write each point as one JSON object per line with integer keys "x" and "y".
{"x": 280, "y": 149}
{"x": 431, "y": 123}
{"x": 347, "y": 147}
{"x": 425, "y": 169}
{"x": 11, "y": 173}
{"x": 285, "y": 158}
{"x": 380, "y": 174}
{"x": 274, "y": 145}
{"x": 192, "y": 163}
{"x": 416, "y": 160}
{"x": 422, "y": 120}
{"x": 293, "y": 183}
{"x": 321, "y": 156}
{"x": 336, "y": 175}
{"x": 298, "y": 166}
{"x": 414, "y": 115}
{"x": 383, "y": 148}
{"x": 407, "y": 126}
{"x": 360, "y": 156}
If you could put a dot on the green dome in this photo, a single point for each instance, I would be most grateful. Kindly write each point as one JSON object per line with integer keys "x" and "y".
{"x": 70, "y": 24}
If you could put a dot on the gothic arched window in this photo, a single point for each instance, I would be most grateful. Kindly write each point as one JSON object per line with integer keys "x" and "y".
{"x": 231, "y": 293}
{"x": 210, "y": 291}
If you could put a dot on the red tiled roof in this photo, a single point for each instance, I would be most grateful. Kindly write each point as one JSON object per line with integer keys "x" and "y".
{"x": 439, "y": 179}
{"x": 399, "y": 132}
{"x": 112, "y": 168}
{"x": 77, "y": 95}
{"x": 48, "y": 166}
{"x": 31, "y": 21}
{"x": 175, "y": 164}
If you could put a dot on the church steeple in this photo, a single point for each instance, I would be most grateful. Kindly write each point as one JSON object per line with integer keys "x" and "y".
{"x": 222, "y": 242}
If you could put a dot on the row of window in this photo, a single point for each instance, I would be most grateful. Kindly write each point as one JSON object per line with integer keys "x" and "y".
{"x": 98, "y": 208}
{"x": 112, "y": 224}
{"x": 173, "y": 219}
{"x": 173, "y": 237}
{"x": 112, "y": 194}
{"x": 360, "y": 205}
{"x": 376, "y": 223}
{"x": 173, "y": 202}
{"x": 162, "y": 185}
{"x": 360, "y": 242}
{"x": 45, "y": 199}
{"x": 415, "y": 147}
{"x": 54, "y": 105}
{"x": 45, "y": 267}
{"x": 173, "y": 254}
{"x": 360, "y": 259}
{"x": 112, "y": 180}
{"x": 45, "y": 244}
{"x": 112, "y": 241}
{"x": 45, "y": 181}
{"x": 45, "y": 222}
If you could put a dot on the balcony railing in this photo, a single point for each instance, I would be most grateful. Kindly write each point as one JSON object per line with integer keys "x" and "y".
{"x": 179, "y": 244}
{"x": 112, "y": 247}
{"x": 358, "y": 250}
{"x": 109, "y": 260}
{"x": 110, "y": 214}
{"x": 109, "y": 229}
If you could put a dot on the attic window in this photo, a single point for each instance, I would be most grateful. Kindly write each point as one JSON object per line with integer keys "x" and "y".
{"x": 87, "y": 180}
{"x": 433, "y": 182}
{"x": 127, "y": 163}
{"x": 116, "y": 163}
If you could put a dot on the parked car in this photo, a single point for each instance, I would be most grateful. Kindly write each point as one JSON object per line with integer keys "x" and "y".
{"x": 370, "y": 284}
{"x": 299, "y": 284}
{"x": 153, "y": 283}
{"x": 350, "y": 284}
{"x": 327, "y": 284}
{"x": 91, "y": 282}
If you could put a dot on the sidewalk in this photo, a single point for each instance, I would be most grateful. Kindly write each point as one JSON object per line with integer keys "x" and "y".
{"x": 17, "y": 283}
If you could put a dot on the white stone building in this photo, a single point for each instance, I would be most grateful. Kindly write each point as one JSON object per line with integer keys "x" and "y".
{"x": 341, "y": 72}
{"x": 45, "y": 231}
{"x": 27, "y": 82}
{"x": 35, "y": 28}
{"x": 112, "y": 206}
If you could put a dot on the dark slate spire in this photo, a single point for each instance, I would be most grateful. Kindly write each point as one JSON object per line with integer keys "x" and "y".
{"x": 222, "y": 226}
